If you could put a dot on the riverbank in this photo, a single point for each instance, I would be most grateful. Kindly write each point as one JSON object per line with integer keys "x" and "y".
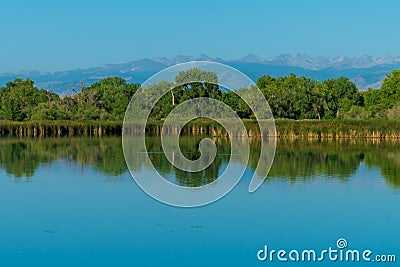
{"x": 292, "y": 129}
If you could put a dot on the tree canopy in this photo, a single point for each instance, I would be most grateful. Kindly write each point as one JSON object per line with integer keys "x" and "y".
{"x": 289, "y": 97}
{"x": 103, "y": 100}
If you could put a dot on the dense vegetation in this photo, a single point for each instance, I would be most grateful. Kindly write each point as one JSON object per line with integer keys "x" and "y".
{"x": 302, "y": 98}
{"x": 290, "y": 97}
{"x": 103, "y": 100}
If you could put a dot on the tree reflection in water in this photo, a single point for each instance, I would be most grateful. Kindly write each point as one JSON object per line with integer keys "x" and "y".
{"x": 295, "y": 160}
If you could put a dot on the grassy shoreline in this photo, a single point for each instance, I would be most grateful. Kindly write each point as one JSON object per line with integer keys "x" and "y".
{"x": 310, "y": 129}
{"x": 59, "y": 128}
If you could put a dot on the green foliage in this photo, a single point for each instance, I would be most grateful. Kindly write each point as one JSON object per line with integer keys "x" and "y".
{"x": 337, "y": 93}
{"x": 394, "y": 113}
{"x": 19, "y": 98}
{"x": 103, "y": 100}
{"x": 236, "y": 103}
{"x": 289, "y": 97}
{"x": 303, "y": 98}
{"x": 390, "y": 89}
{"x": 382, "y": 103}
{"x": 205, "y": 85}
{"x": 48, "y": 111}
{"x": 166, "y": 103}
{"x": 353, "y": 112}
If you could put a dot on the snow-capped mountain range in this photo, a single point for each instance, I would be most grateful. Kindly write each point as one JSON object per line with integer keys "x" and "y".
{"x": 365, "y": 71}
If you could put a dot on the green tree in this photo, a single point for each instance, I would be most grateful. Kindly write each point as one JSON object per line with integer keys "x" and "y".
{"x": 335, "y": 91}
{"x": 19, "y": 98}
{"x": 103, "y": 100}
{"x": 292, "y": 97}
{"x": 389, "y": 94}
{"x": 205, "y": 85}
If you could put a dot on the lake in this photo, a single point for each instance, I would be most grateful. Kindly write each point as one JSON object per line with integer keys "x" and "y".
{"x": 73, "y": 202}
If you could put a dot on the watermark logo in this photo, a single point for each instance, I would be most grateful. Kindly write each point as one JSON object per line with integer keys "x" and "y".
{"x": 341, "y": 243}
{"x": 340, "y": 253}
{"x": 171, "y": 83}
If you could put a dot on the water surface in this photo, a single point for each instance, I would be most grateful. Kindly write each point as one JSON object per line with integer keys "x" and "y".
{"x": 72, "y": 202}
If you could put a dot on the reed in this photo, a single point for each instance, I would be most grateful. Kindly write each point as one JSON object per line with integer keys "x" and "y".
{"x": 336, "y": 129}
{"x": 59, "y": 128}
{"x": 299, "y": 129}
{"x": 287, "y": 129}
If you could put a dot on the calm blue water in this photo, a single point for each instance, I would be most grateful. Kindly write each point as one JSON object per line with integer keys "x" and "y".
{"x": 69, "y": 211}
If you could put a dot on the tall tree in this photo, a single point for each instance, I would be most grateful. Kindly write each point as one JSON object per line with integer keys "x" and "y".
{"x": 18, "y": 99}
{"x": 335, "y": 91}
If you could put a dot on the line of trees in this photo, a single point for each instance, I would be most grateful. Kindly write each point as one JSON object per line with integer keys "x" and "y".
{"x": 107, "y": 99}
{"x": 290, "y": 97}
{"x": 303, "y": 98}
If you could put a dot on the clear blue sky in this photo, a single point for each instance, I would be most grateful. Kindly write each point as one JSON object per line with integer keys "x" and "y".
{"x": 50, "y": 36}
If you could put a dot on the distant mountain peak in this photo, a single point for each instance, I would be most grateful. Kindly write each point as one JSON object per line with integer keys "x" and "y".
{"x": 185, "y": 58}
{"x": 253, "y": 58}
